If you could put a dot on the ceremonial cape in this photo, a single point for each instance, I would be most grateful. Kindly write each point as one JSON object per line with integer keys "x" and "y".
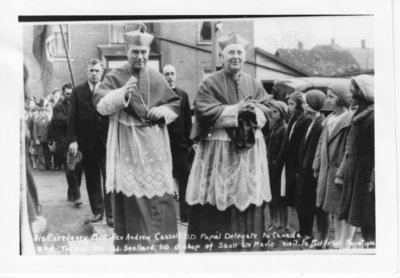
{"x": 221, "y": 174}
{"x": 138, "y": 153}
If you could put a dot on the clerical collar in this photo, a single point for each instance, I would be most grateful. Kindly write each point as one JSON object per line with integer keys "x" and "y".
{"x": 234, "y": 76}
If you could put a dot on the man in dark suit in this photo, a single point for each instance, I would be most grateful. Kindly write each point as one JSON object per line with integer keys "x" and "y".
{"x": 87, "y": 132}
{"x": 58, "y": 135}
{"x": 179, "y": 132}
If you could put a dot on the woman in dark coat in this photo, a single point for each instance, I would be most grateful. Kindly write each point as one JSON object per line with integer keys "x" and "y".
{"x": 295, "y": 132}
{"x": 329, "y": 155}
{"x": 307, "y": 183}
{"x": 357, "y": 204}
{"x": 275, "y": 141}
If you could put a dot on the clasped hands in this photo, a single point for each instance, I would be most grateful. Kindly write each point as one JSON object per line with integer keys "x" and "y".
{"x": 247, "y": 104}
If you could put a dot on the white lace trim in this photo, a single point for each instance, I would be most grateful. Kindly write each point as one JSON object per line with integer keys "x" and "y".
{"x": 139, "y": 159}
{"x": 148, "y": 183}
{"x": 223, "y": 176}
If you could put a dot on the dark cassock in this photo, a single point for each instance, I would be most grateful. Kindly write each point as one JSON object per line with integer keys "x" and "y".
{"x": 229, "y": 180}
{"x": 139, "y": 163}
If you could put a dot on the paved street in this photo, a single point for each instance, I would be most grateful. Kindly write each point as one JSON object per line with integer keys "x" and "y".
{"x": 71, "y": 233}
{"x": 80, "y": 236}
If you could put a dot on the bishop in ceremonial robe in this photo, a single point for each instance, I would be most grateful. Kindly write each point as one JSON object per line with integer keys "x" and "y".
{"x": 229, "y": 180}
{"x": 140, "y": 104}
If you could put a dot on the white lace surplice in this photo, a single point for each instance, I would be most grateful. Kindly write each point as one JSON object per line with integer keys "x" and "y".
{"x": 223, "y": 176}
{"x": 142, "y": 160}
{"x": 139, "y": 159}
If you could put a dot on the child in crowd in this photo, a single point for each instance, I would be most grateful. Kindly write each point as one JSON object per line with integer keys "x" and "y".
{"x": 297, "y": 127}
{"x": 330, "y": 153}
{"x": 306, "y": 182}
{"x": 356, "y": 174}
{"x": 275, "y": 141}
{"x": 40, "y": 138}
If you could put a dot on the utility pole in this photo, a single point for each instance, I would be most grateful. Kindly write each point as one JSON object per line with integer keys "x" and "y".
{"x": 67, "y": 55}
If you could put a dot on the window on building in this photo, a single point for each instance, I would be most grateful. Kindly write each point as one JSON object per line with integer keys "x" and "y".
{"x": 59, "y": 44}
{"x": 204, "y": 32}
{"x": 117, "y": 31}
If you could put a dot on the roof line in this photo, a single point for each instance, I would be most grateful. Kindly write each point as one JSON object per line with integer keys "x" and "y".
{"x": 181, "y": 43}
{"x": 354, "y": 73}
{"x": 281, "y": 61}
{"x": 253, "y": 63}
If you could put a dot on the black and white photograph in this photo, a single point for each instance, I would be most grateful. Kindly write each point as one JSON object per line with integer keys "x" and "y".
{"x": 205, "y": 136}
{"x": 191, "y": 138}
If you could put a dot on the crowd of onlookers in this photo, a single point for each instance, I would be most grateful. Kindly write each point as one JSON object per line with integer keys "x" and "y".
{"x": 38, "y": 116}
{"x": 320, "y": 164}
{"x": 323, "y": 165}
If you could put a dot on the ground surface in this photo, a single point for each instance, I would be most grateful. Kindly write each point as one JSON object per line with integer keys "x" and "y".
{"x": 69, "y": 231}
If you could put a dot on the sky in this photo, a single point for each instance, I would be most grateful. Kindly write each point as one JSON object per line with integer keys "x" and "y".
{"x": 286, "y": 32}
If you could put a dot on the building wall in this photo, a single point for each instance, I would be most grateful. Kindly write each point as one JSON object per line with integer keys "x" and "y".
{"x": 83, "y": 38}
{"x": 190, "y": 63}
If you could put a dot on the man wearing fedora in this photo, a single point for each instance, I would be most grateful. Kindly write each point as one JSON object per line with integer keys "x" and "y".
{"x": 140, "y": 104}
{"x": 87, "y": 132}
{"x": 229, "y": 180}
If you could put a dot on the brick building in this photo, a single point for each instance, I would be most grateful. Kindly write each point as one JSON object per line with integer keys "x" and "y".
{"x": 187, "y": 45}
{"x": 184, "y": 44}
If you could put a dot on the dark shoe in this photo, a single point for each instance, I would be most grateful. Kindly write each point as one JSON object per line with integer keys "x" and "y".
{"x": 298, "y": 235}
{"x": 308, "y": 239}
{"x": 184, "y": 218}
{"x": 109, "y": 221}
{"x": 77, "y": 203}
{"x": 96, "y": 218}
